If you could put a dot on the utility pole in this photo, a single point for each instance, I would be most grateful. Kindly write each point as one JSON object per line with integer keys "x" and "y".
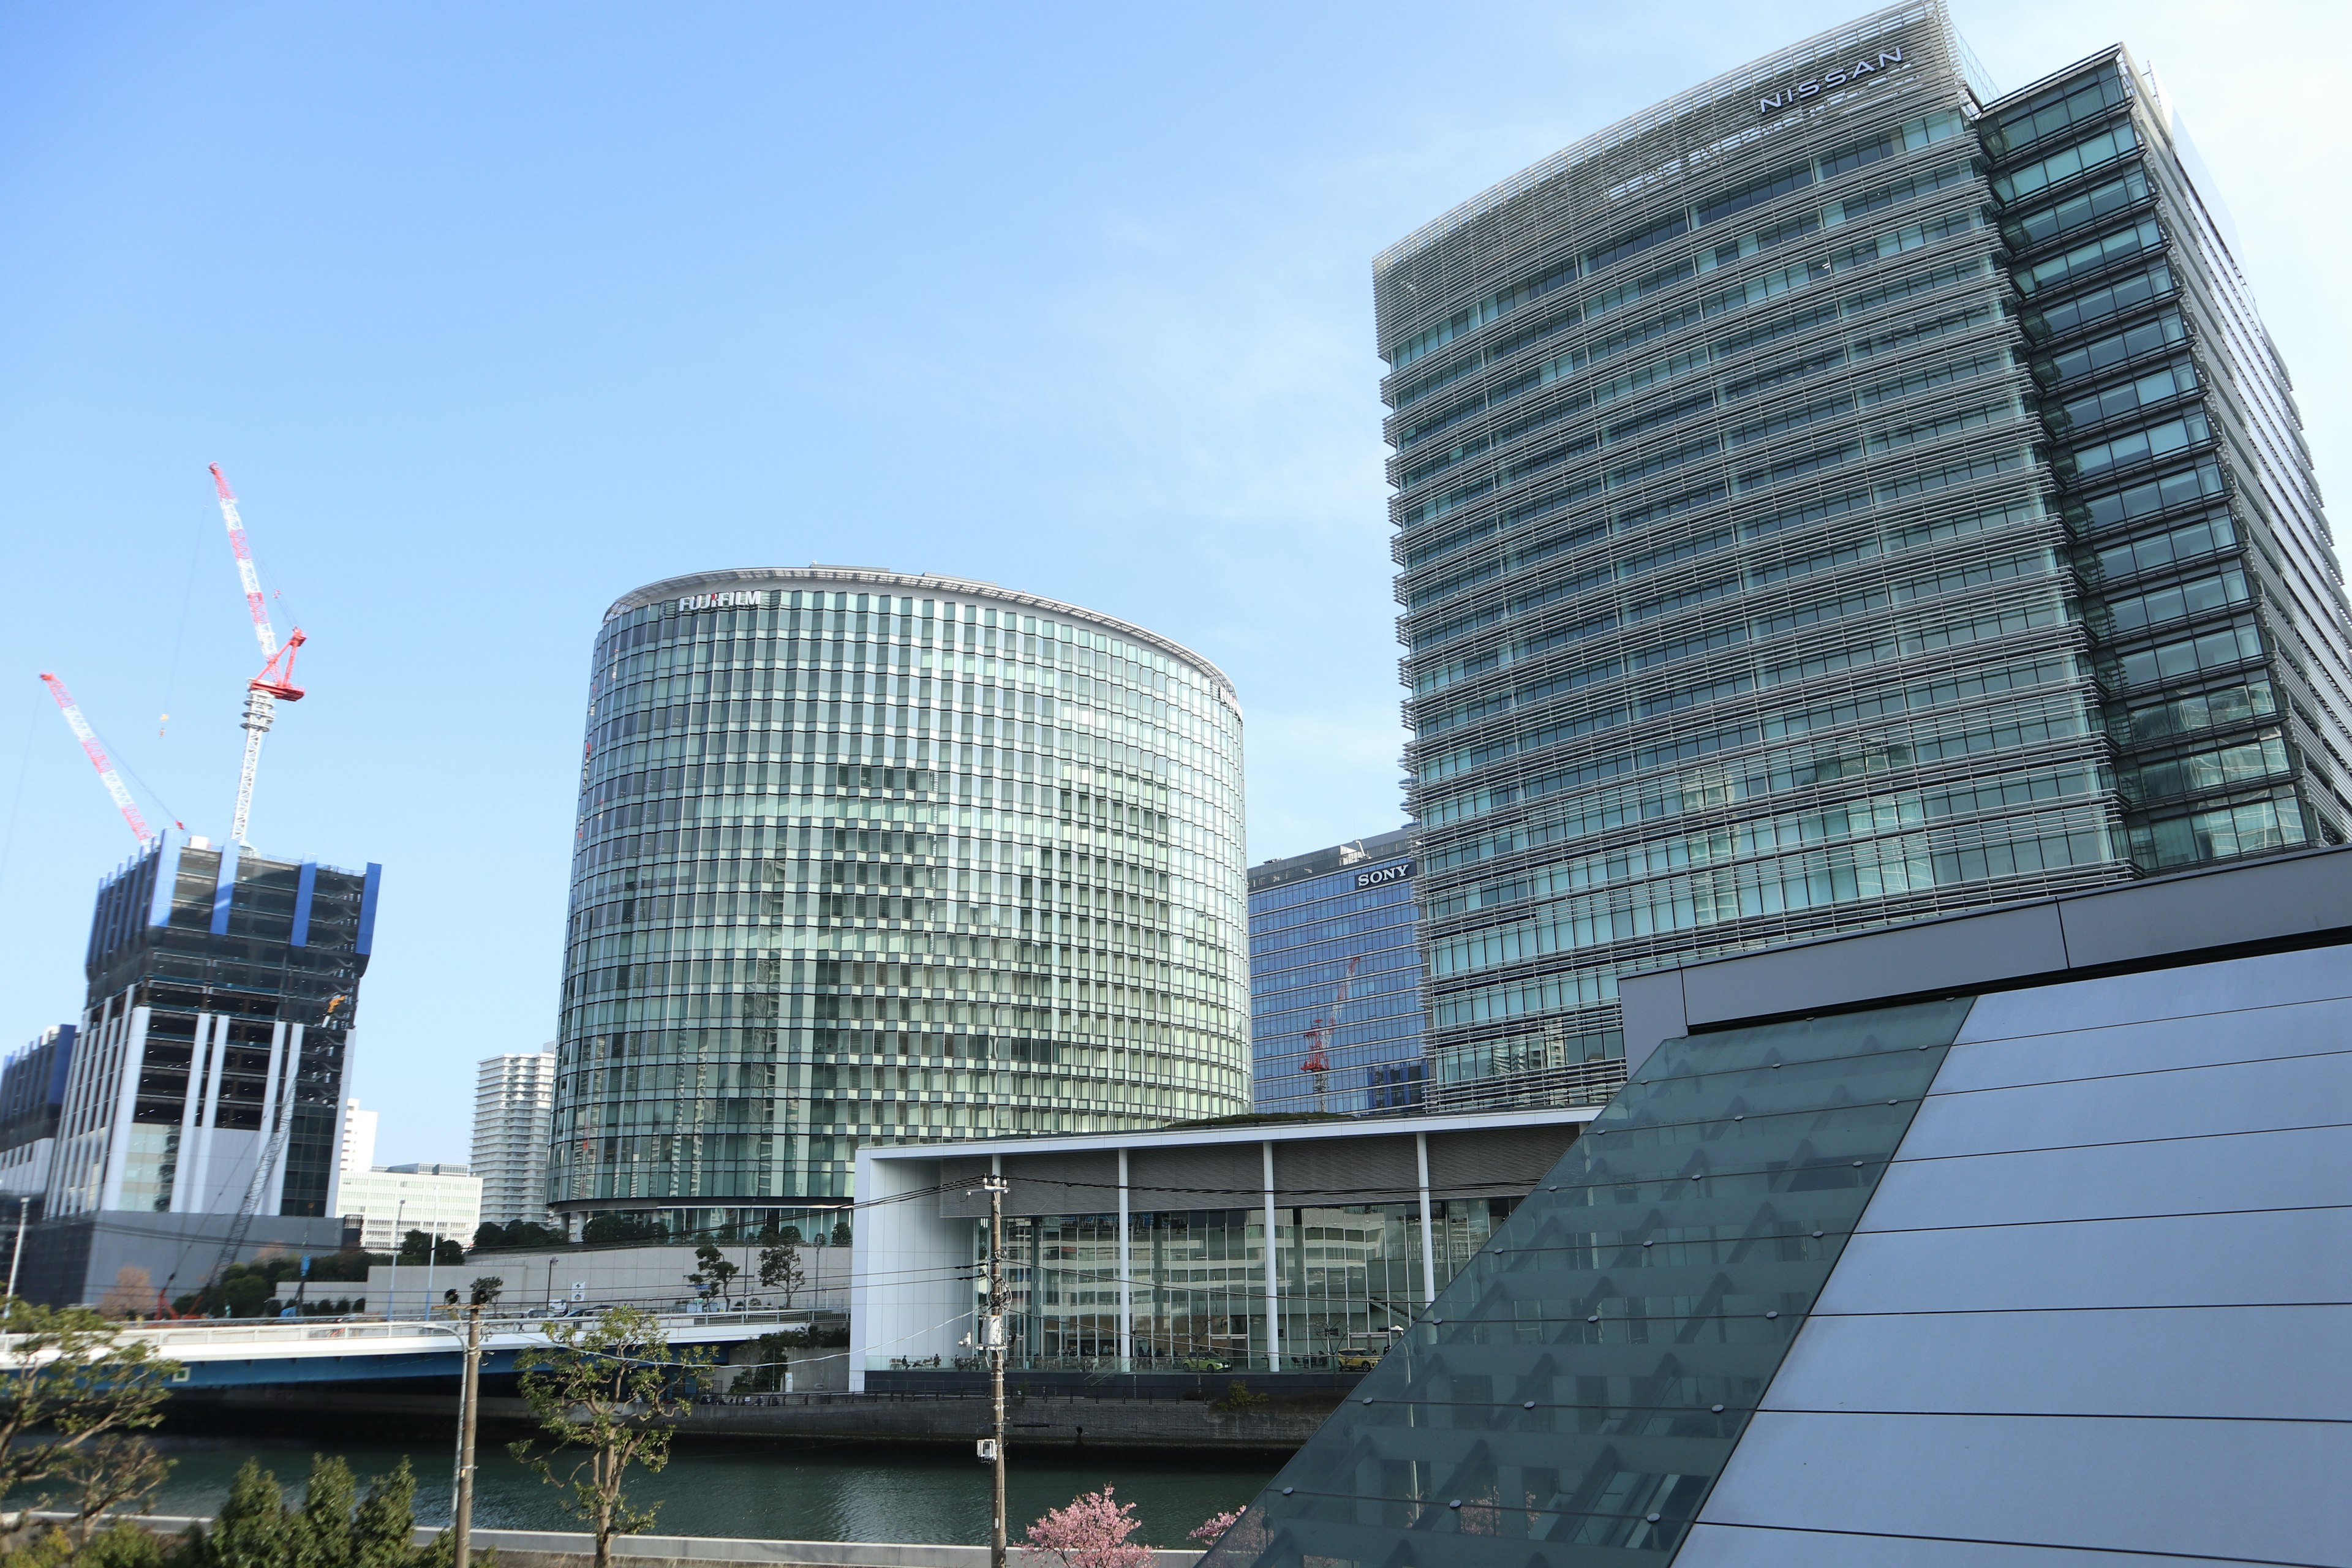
{"x": 18, "y": 1256}
{"x": 992, "y": 1337}
{"x": 461, "y": 1528}
{"x": 391, "y": 1291}
{"x": 432, "y": 1251}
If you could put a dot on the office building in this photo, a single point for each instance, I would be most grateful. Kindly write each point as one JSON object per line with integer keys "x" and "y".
{"x": 32, "y": 1093}
{"x": 359, "y": 1138}
{"x": 864, "y": 857}
{"x": 1833, "y": 497}
{"x": 2012, "y": 1236}
{"x": 1145, "y": 1253}
{"x": 441, "y": 1200}
{"x": 1335, "y": 981}
{"x": 514, "y": 1099}
{"x": 208, "y": 1072}
{"x": 201, "y": 1118}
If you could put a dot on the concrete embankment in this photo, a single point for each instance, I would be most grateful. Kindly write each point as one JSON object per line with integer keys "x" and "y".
{"x": 1059, "y": 1420}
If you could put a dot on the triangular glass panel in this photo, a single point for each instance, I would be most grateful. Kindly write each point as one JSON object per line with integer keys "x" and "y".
{"x": 1570, "y": 1398}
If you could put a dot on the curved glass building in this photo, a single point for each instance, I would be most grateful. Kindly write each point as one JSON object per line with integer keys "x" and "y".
{"x": 863, "y": 857}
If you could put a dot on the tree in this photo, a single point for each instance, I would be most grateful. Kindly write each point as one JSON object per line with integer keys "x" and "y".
{"x": 492, "y": 1236}
{"x": 609, "y": 1385}
{"x": 132, "y": 1292}
{"x": 841, "y": 1233}
{"x": 1091, "y": 1531}
{"x": 108, "y": 1472}
{"x": 780, "y": 1266}
{"x": 414, "y": 1246}
{"x": 713, "y": 1272}
{"x": 1216, "y": 1525}
{"x": 485, "y": 1290}
{"x": 1248, "y": 1532}
{"x": 75, "y": 1395}
{"x": 253, "y": 1528}
{"x": 385, "y": 1522}
{"x": 334, "y": 1528}
{"x": 242, "y": 1294}
{"x": 612, "y": 1228}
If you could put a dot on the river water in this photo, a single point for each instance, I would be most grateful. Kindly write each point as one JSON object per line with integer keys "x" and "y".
{"x": 768, "y": 1490}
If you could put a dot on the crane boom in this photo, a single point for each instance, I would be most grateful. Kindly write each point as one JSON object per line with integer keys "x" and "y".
{"x": 98, "y": 757}
{"x": 263, "y": 692}
{"x": 1321, "y": 1032}
{"x": 246, "y": 572}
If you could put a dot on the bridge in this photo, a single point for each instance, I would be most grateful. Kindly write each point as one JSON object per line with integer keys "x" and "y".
{"x": 334, "y": 1349}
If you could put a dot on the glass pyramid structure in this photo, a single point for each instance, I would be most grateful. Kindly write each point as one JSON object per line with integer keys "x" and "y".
{"x": 1570, "y": 1399}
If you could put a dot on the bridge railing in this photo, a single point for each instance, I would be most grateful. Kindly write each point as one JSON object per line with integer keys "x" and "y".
{"x": 305, "y": 1330}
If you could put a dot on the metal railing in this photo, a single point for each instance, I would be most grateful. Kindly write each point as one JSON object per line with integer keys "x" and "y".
{"x": 308, "y": 1329}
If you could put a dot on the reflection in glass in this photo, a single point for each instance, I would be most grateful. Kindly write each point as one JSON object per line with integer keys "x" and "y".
{"x": 1575, "y": 1391}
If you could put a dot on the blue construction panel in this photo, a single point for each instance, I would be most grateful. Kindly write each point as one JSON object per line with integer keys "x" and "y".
{"x": 167, "y": 877}
{"x": 367, "y": 909}
{"x": 224, "y": 886}
{"x": 303, "y": 890}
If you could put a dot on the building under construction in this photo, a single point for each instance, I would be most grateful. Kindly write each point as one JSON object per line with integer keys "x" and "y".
{"x": 201, "y": 1116}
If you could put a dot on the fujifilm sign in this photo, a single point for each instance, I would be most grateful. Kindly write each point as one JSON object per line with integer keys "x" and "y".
{"x": 1889, "y": 60}
{"x": 740, "y": 597}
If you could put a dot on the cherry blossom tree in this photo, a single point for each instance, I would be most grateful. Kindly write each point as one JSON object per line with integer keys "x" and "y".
{"x": 1091, "y": 1533}
{"x": 1216, "y": 1525}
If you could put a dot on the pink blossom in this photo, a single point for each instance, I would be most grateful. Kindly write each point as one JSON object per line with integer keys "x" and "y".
{"x": 1091, "y": 1533}
{"x": 1216, "y": 1525}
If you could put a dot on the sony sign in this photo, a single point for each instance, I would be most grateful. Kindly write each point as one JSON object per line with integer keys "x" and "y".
{"x": 743, "y": 596}
{"x": 1400, "y": 872}
{"x": 1889, "y": 60}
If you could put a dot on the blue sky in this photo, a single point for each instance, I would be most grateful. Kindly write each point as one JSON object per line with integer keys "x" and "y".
{"x": 493, "y": 312}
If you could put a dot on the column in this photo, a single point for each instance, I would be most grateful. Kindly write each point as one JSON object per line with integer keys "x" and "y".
{"x": 183, "y": 1170}
{"x": 1126, "y": 1276}
{"x": 1428, "y": 1231}
{"x": 1273, "y": 1288}
{"x": 118, "y": 1133}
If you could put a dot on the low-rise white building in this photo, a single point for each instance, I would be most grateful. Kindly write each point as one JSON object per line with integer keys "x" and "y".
{"x": 1147, "y": 1252}
{"x": 444, "y": 1201}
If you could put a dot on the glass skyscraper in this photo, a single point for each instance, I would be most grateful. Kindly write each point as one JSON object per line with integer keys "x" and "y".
{"x": 1833, "y": 497}
{"x": 1335, "y": 980}
{"x": 863, "y": 857}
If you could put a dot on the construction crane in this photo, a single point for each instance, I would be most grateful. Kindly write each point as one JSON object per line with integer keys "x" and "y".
{"x": 273, "y": 685}
{"x": 98, "y": 757}
{"x": 1319, "y": 1033}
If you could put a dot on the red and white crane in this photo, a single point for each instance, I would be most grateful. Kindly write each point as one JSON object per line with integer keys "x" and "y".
{"x": 263, "y": 691}
{"x": 1319, "y": 1033}
{"x": 98, "y": 757}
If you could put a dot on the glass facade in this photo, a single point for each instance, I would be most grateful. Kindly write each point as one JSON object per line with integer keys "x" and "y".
{"x": 863, "y": 857}
{"x": 1349, "y": 1278}
{"x": 2209, "y": 585}
{"x": 209, "y": 1063}
{"x": 1572, "y": 1395}
{"x": 1827, "y": 501}
{"x": 1335, "y": 981}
